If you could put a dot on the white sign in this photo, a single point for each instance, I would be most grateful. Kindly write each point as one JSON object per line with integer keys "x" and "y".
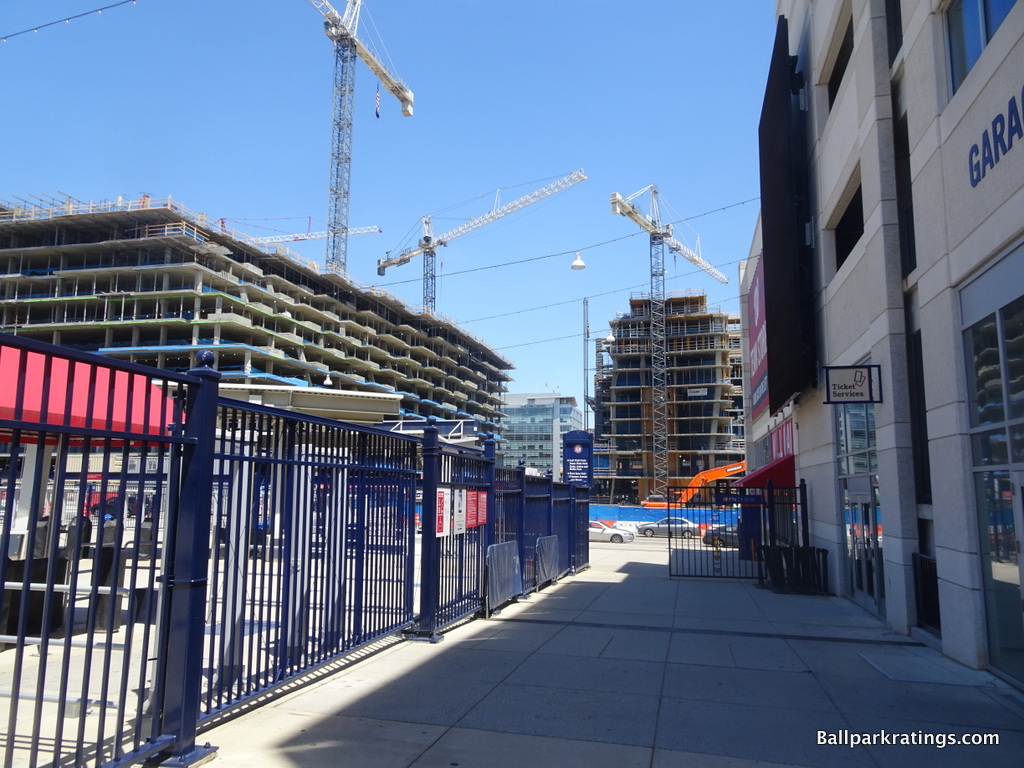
{"x": 853, "y": 384}
{"x": 443, "y": 524}
{"x": 459, "y": 523}
{"x": 697, "y": 392}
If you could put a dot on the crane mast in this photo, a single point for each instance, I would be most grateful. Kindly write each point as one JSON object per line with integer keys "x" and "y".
{"x": 428, "y": 244}
{"x": 660, "y": 237}
{"x": 341, "y": 29}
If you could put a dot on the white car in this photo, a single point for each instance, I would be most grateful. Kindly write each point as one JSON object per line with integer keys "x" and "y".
{"x": 602, "y": 532}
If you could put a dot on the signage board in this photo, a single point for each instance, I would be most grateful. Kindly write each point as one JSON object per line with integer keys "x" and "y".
{"x": 853, "y": 384}
{"x": 577, "y": 458}
{"x": 737, "y": 497}
{"x": 481, "y": 507}
{"x": 758, "y": 333}
{"x": 459, "y": 517}
{"x": 442, "y": 516}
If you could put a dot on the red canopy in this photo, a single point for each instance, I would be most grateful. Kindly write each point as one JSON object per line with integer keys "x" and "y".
{"x": 782, "y": 473}
{"x": 80, "y": 394}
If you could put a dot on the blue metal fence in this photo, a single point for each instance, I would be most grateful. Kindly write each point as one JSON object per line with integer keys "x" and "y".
{"x": 172, "y": 554}
{"x": 91, "y": 456}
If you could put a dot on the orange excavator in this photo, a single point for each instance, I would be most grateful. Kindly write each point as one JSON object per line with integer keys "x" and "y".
{"x": 700, "y": 480}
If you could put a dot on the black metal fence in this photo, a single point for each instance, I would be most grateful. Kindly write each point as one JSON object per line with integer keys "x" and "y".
{"x": 739, "y": 532}
{"x": 926, "y": 592}
{"x": 170, "y": 554}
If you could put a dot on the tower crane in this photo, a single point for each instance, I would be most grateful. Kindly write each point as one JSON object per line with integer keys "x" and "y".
{"x": 661, "y": 236}
{"x": 429, "y": 244}
{"x": 341, "y": 29}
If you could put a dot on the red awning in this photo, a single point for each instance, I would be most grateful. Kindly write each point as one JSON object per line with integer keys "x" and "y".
{"x": 80, "y": 394}
{"x": 782, "y": 473}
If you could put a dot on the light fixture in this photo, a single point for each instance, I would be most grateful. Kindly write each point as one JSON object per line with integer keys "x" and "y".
{"x": 327, "y": 380}
{"x": 610, "y": 338}
{"x": 578, "y": 262}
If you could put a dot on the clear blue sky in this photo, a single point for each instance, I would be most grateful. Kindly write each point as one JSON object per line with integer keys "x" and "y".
{"x": 226, "y": 106}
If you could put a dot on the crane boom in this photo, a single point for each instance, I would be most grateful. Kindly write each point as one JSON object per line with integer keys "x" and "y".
{"x": 408, "y": 255}
{"x": 269, "y": 239}
{"x": 625, "y": 207}
{"x": 341, "y": 29}
{"x": 428, "y": 244}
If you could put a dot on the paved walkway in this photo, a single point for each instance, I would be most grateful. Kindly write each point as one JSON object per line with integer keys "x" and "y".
{"x": 621, "y": 666}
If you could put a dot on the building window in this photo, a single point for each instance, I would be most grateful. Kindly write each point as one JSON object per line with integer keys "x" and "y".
{"x": 970, "y": 24}
{"x": 894, "y": 28}
{"x": 904, "y": 195}
{"x": 849, "y": 228}
{"x": 995, "y": 350}
{"x": 835, "y": 79}
{"x": 918, "y": 418}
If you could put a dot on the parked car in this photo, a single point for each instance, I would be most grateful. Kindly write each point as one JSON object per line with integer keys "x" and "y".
{"x": 722, "y": 536}
{"x": 602, "y": 532}
{"x": 670, "y": 526}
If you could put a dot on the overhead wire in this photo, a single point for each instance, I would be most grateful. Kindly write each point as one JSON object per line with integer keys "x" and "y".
{"x": 596, "y": 295}
{"x": 66, "y": 20}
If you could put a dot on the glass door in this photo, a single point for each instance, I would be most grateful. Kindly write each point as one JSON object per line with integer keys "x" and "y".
{"x": 864, "y": 553}
{"x": 1002, "y": 523}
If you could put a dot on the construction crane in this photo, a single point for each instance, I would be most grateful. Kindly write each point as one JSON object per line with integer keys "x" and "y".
{"x": 429, "y": 244}
{"x": 661, "y": 236}
{"x": 270, "y": 239}
{"x": 341, "y": 29}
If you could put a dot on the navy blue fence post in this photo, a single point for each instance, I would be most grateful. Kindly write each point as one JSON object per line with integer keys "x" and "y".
{"x": 521, "y": 522}
{"x": 490, "y": 445}
{"x": 574, "y": 512}
{"x": 187, "y": 580}
{"x": 551, "y": 504}
{"x": 430, "y": 574}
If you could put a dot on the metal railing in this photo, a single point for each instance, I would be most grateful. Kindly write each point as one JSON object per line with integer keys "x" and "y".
{"x": 172, "y": 554}
{"x": 93, "y": 460}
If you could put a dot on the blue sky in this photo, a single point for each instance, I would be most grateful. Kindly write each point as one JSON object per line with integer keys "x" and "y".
{"x": 226, "y": 106}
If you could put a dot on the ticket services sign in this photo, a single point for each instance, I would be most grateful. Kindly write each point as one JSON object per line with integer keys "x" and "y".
{"x": 853, "y": 384}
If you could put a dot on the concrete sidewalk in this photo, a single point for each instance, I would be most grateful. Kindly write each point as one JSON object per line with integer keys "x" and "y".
{"x": 621, "y": 666}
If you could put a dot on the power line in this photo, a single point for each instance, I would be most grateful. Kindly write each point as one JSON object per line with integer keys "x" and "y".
{"x": 67, "y": 20}
{"x": 566, "y": 253}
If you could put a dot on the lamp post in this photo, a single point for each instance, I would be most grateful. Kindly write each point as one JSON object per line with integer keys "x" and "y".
{"x": 586, "y": 359}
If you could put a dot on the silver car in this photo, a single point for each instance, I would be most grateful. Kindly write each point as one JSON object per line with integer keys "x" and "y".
{"x": 602, "y": 532}
{"x": 674, "y": 526}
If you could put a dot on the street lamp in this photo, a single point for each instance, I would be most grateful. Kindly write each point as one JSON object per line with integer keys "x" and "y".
{"x": 577, "y": 263}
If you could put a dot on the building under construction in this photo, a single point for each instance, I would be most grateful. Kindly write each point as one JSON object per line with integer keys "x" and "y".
{"x": 150, "y": 281}
{"x": 704, "y": 377}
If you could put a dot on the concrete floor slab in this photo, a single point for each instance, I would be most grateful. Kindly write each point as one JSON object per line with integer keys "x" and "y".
{"x": 621, "y": 665}
{"x": 609, "y": 717}
{"x": 272, "y": 738}
{"x": 469, "y": 748}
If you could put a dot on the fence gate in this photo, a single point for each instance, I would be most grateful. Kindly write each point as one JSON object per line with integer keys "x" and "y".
{"x": 744, "y": 533}
{"x": 709, "y": 534}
